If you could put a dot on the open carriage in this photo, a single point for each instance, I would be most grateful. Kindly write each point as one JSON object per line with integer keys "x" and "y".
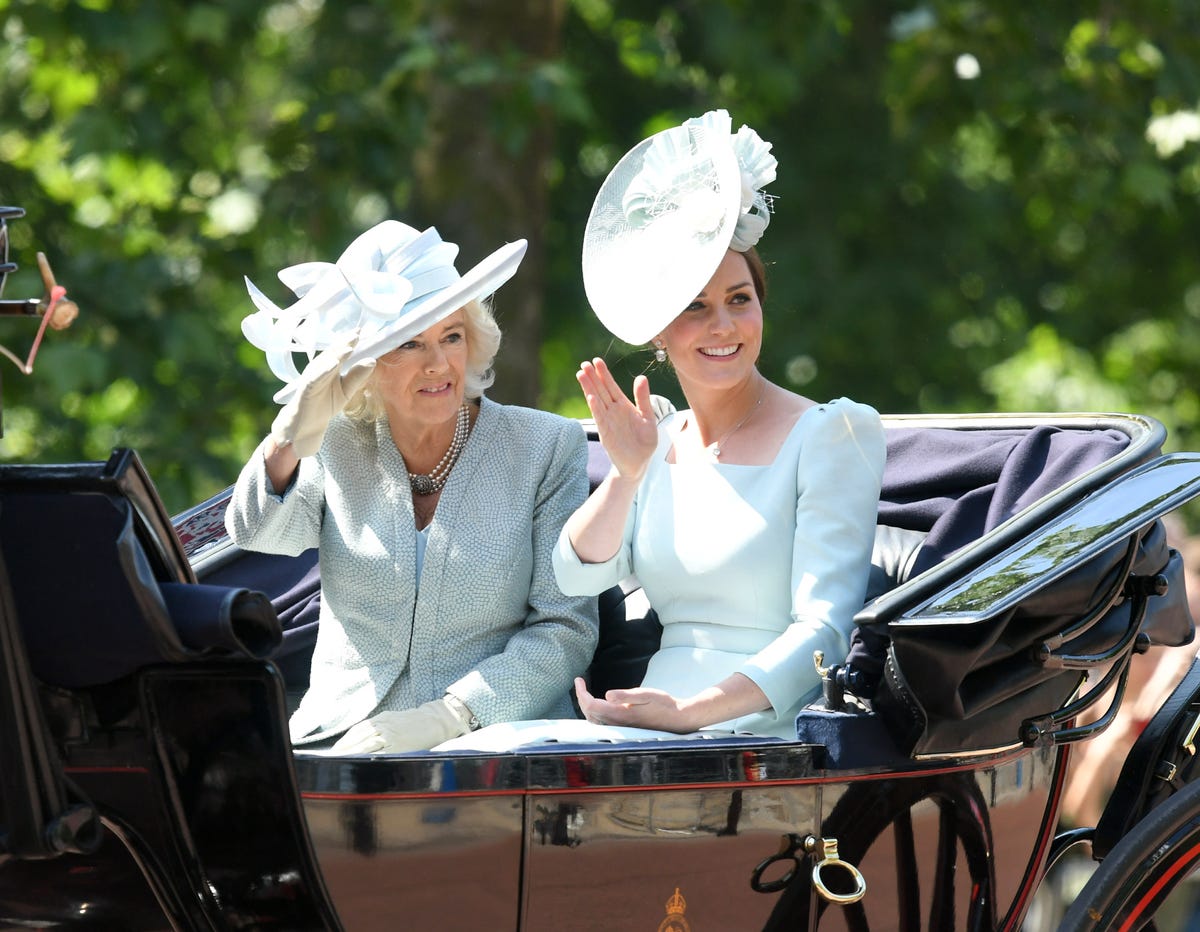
{"x": 147, "y": 781}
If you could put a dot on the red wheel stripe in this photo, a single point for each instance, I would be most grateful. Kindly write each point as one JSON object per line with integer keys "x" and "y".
{"x": 1158, "y": 885}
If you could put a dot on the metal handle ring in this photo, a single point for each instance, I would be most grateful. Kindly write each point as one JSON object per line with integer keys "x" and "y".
{"x": 788, "y": 846}
{"x": 832, "y": 860}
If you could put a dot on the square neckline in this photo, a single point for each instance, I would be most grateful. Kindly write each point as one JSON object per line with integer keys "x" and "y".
{"x": 670, "y": 442}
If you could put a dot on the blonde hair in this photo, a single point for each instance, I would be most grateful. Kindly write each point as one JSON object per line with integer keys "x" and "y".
{"x": 483, "y": 342}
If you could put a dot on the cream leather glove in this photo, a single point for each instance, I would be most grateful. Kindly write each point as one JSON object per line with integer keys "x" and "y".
{"x": 322, "y": 393}
{"x": 416, "y": 729}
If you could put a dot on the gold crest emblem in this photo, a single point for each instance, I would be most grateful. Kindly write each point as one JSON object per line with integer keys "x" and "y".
{"x": 675, "y": 921}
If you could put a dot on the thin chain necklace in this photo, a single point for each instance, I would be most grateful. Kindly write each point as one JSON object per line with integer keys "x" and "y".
{"x": 714, "y": 448}
{"x": 432, "y": 481}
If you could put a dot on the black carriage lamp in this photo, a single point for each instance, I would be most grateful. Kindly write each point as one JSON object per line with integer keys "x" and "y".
{"x": 53, "y": 308}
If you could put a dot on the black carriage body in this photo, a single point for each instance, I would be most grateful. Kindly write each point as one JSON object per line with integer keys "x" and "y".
{"x": 167, "y": 726}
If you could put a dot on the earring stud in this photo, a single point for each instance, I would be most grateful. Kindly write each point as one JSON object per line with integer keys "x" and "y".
{"x": 660, "y": 351}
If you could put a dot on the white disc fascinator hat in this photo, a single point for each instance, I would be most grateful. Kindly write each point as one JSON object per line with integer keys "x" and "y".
{"x": 390, "y": 284}
{"x": 665, "y": 216}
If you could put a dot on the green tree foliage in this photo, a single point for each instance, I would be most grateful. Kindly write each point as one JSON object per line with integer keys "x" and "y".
{"x": 164, "y": 151}
{"x": 980, "y": 205}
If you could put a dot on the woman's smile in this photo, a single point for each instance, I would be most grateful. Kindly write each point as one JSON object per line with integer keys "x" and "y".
{"x": 719, "y": 352}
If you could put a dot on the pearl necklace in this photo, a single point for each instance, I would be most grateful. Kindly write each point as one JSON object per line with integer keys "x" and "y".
{"x": 714, "y": 448}
{"x": 432, "y": 481}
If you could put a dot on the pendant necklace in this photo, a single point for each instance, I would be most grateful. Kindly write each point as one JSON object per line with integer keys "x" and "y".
{"x": 714, "y": 448}
{"x": 432, "y": 481}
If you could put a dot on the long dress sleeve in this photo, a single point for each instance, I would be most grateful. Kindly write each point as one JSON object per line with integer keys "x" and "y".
{"x": 838, "y": 477}
{"x": 258, "y": 518}
{"x": 578, "y": 578}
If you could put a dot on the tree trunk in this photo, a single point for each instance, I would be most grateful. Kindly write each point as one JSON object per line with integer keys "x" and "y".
{"x": 482, "y": 189}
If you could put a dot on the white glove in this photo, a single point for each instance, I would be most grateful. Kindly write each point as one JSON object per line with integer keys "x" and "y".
{"x": 321, "y": 393}
{"x": 416, "y": 729}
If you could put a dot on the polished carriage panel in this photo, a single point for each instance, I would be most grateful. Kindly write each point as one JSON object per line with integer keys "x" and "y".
{"x": 619, "y": 854}
{"x": 996, "y": 655}
{"x": 419, "y": 863}
{"x": 660, "y": 831}
{"x": 629, "y": 859}
{"x": 190, "y": 772}
{"x": 433, "y": 838}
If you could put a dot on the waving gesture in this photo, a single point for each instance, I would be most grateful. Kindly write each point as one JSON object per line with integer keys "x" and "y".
{"x": 628, "y": 430}
{"x": 323, "y": 391}
{"x": 629, "y": 433}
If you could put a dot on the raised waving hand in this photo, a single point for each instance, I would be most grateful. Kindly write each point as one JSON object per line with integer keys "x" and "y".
{"x": 628, "y": 429}
{"x": 629, "y": 433}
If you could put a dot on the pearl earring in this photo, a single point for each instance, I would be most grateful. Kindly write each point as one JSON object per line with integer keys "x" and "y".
{"x": 660, "y": 351}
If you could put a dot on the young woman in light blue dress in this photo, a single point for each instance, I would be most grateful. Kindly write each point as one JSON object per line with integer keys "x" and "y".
{"x": 748, "y": 518}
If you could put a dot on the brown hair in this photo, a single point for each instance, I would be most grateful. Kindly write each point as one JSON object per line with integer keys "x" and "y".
{"x": 758, "y": 273}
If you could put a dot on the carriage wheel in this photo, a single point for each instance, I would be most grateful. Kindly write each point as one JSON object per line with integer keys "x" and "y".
{"x": 1150, "y": 880}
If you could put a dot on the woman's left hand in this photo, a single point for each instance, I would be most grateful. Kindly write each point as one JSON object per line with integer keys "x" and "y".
{"x": 397, "y": 732}
{"x": 638, "y": 708}
{"x": 733, "y": 697}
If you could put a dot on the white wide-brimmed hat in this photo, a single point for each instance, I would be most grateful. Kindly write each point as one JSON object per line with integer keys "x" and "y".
{"x": 665, "y": 216}
{"x": 390, "y": 284}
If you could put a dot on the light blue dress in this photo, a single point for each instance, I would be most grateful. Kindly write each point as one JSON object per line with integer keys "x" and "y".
{"x": 752, "y": 568}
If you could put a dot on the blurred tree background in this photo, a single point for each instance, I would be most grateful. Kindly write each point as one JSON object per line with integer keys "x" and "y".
{"x": 981, "y": 205}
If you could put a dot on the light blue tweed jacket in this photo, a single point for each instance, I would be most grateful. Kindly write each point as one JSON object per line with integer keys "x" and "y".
{"x": 487, "y": 623}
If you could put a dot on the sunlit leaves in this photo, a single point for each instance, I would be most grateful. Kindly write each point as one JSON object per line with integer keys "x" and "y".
{"x": 139, "y": 181}
{"x": 65, "y": 87}
{"x": 232, "y": 212}
{"x": 647, "y": 48}
{"x": 597, "y": 14}
{"x": 980, "y": 157}
{"x": 1095, "y": 50}
{"x": 1049, "y": 374}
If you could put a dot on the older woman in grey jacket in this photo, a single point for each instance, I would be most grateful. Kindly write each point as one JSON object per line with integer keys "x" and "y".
{"x": 435, "y": 510}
